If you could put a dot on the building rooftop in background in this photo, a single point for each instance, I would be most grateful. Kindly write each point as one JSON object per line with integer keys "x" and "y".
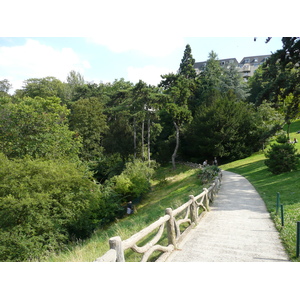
{"x": 258, "y": 59}
{"x": 246, "y": 67}
{"x": 223, "y": 62}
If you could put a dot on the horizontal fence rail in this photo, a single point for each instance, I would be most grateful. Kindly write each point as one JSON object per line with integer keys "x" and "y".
{"x": 187, "y": 213}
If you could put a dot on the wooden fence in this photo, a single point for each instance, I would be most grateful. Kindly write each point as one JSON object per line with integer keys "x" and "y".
{"x": 186, "y": 213}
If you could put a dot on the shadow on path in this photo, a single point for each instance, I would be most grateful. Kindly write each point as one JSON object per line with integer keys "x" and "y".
{"x": 237, "y": 229}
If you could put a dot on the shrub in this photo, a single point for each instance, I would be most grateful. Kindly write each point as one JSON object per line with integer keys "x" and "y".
{"x": 282, "y": 139}
{"x": 281, "y": 158}
{"x": 134, "y": 180}
{"x": 43, "y": 204}
{"x": 207, "y": 174}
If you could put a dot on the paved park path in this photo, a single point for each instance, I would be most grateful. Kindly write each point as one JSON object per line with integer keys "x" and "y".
{"x": 237, "y": 229}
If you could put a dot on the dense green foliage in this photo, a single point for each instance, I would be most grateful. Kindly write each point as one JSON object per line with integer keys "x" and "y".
{"x": 37, "y": 127}
{"x": 89, "y": 121}
{"x": 76, "y": 152}
{"x": 43, "y": 203}
{"x": 226, "y": 128}
{"x": 277, "y": 80}
{"x": 134, "y": 181}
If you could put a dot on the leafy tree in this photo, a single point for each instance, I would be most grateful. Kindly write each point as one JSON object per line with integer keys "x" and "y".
{"x": 74, "y": 80}
{"x": 164, "y": 145}
{"x": 119, "y": 137}
{"x": 36, "y": 127}
{"x": 137, "y": 97}
{"x": 5, "y": 86}
{"x": 42, "y": 87}
{"x": 116, "y": 91}
{"x": 87, "y": 90}
{"x": 257, "y": 86}
{"x": 145, "y": 102}
{"x": 276, "y": 85}
{"x": 269, "y": 121}
{"x": 43, "y": 205}
{"x": 107, "y": 166}
{"x": 177, "y": 93}
{"x": 89, "y": 121}
{"x": 278, "y": 80}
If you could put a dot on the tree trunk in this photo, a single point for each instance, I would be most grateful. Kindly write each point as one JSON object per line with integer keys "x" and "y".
{"x": 143, "y": 130}
{"x": 149, "y": 133}
{"x": 177, "y": 145}
{"x": 288, "y": 129}
{"x": 134, "y": 137}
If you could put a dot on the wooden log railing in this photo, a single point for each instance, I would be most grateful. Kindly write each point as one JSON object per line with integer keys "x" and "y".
{"x": 190, "y": 212}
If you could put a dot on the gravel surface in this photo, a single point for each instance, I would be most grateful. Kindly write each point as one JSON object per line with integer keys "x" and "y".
{"x": 237, "y": 229}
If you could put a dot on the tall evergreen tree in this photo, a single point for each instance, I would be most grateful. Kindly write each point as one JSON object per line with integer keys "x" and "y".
{"x": 209, "y": 86}
{"x": 231, "y": 81}
{"x": 226, "y": 128}
{"x": 213, "y": 70}
{"x": 186, "y": 67}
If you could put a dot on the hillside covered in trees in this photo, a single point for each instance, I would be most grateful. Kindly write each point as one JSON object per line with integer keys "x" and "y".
{"x": 74, "y": 153}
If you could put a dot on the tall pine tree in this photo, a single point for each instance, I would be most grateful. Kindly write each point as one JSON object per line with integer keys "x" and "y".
{"x": 186, "y": 67}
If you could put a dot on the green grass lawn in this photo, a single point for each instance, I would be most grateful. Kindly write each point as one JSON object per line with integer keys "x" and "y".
{"x": 170, "y": 188}
{"x": 267, "y": 185}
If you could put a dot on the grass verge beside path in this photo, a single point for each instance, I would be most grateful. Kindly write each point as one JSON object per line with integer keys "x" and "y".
{"x": 267, "y": 185}
{"x": 170, "y": 188}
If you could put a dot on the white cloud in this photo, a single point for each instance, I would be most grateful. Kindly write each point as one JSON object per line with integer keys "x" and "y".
{"x": 149, "y": 74}
{"x": 35, "y": 60}
{"x": 156, "y": 46}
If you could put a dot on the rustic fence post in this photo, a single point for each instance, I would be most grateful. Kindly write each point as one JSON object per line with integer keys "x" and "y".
{"x": 171, "y": 228}
{"x": 206, "y": 201}
{"x": 193, "y": 210}
{"x": 116, "y": 243}
{"x": 212, "y": 192}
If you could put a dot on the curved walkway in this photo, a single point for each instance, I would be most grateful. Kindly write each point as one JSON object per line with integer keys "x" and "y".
{"x": 237, "y": 229}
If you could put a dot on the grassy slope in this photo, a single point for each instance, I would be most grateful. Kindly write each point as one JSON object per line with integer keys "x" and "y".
{"x": 267, "y": 185}
{"x": 170, "y": 188}
{"x": 182, "y": 182}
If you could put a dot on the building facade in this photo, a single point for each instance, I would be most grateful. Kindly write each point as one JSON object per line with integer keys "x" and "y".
{"x": 246, "y": 67}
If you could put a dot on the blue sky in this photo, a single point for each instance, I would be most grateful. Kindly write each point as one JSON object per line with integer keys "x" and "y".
{"x": 106, "y": 58}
